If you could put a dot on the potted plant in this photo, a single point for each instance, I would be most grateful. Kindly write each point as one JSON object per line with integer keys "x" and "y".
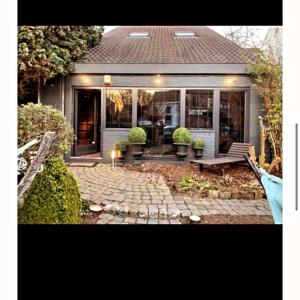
{"x": 198, "y": 146}
{"x": 137, "y": 138}
{"x": 121, "y": 147}
{"x": 182, "y": 138}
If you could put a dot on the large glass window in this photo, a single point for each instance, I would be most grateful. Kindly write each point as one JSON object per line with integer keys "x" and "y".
{"x": 158, "y": 112}
{"x": 118, "y": 108}
{"x": 199, "y": 109}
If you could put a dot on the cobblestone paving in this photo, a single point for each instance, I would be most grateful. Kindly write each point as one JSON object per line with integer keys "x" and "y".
{"x": 132, "y": 197}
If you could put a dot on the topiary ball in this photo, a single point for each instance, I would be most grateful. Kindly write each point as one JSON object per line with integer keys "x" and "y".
{"x": 182, "y": 136}
{"x": 137, "y": 135}
{"x": 198, "y": 144}
{"x": 53, "y": 197}
{"x": 121, "y": 145}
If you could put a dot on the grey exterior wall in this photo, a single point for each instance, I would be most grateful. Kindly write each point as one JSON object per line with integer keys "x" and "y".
{"x": 256, "y": 110}
{"x": 112, "y": 136}
{"x": 51, "y": 94}
{"x": 209, "y": 138}
{"x": 62, "y": 96}
{"x": 109, "y": 139}
{"x": 98, "y": 68}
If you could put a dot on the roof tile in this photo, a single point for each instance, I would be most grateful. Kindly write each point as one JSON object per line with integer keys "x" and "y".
{"x": 162, "y": 47}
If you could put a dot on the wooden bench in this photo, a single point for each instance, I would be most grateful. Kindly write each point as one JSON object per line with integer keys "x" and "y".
{"x": 235, "y": 155}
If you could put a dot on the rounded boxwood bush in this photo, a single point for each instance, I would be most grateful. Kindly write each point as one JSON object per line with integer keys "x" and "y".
{"x": 198, "y": 144}
{"x": 182, "y": 136}
{"x": 53, "y": 197}
{"x": 137, "y": 135}
{"x": 34, "y": 120}
{"x": 121, "y": 145}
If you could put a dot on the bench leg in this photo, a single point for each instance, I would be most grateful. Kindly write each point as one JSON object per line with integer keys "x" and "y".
{"x": 223, "y": 172}
{"x": 201, "y": 167}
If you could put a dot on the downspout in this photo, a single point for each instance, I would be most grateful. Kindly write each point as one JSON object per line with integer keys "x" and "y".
{"x": 39, "y": 91}
{"x": 63, "y": 94}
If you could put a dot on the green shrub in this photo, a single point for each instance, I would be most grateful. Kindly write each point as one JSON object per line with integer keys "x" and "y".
{"x": 53, "y": 197}
{"x": 206, "y": 186}
{"x": 192, "y": 182}
{"x": 121, "y": 145}
{"x": 182, "y": 136}
{"x": 198, "y": 144}
{"x": 187, "y": 182}
{"x": 36, "y": 119}
{"x": 137, "y": 135}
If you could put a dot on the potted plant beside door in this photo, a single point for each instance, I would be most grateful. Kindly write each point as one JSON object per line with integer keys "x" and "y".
{"x": 137, "y": 138}
{"x": 182, "y": 138}
{"x": 121, "y": 148}
{"x": 198, "y": 146}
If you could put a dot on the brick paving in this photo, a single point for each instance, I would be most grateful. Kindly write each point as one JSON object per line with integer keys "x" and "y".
{"x": 131, "y": 197}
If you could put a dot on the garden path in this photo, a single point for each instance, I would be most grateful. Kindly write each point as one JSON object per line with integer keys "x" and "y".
{"x": 136, "y": 197}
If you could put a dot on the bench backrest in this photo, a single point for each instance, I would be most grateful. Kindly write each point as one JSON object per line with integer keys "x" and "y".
{"x": 238, "y": 150}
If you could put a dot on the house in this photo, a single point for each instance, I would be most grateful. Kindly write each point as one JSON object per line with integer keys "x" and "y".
{"x": 273, "y": 42}
{"x": 159, "y": 78}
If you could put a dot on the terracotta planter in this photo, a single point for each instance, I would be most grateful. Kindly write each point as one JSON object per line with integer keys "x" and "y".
{"x": 181, "y": 151}
{"x": 198, "y": 152}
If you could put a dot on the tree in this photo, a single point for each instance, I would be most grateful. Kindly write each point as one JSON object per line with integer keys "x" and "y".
{"x": 46, "y": 52}
{"x": 244, "y": 36}
{"x": 266, "y": 69}
{"x": 267, "y": 73}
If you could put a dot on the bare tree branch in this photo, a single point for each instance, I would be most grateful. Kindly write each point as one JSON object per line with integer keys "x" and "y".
{"x": 35, "y": 165}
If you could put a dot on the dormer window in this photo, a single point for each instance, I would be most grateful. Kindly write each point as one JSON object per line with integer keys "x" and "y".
{"x": 138, "y": 34}
{"x": 185, "y": 34}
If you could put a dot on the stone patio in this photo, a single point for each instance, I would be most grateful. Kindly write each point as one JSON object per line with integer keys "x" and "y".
{"x": 132, "y": 197}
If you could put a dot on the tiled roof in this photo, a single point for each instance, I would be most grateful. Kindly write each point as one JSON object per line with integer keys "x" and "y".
{"x": 163, "y": 48}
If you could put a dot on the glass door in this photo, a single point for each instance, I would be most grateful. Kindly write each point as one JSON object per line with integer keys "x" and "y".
{"x": 87, "y": 123}
{"x": 232, "y": 110}
{"x": 158, "y": 112}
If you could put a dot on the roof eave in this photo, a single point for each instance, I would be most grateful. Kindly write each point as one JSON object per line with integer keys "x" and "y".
{"x": 104, "y": 68}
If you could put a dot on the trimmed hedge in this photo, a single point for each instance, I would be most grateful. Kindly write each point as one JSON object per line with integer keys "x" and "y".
{"x": 34, "y": 120}
{"x": 53, "y": 197}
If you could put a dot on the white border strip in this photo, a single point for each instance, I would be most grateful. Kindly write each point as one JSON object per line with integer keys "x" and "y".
{"x": 8, "y": 147}
{"x": 291, "y": 109}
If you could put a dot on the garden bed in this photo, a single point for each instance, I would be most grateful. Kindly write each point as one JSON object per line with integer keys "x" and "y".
{"x": 226, "y": 219}
{"x": 238, "y": 182}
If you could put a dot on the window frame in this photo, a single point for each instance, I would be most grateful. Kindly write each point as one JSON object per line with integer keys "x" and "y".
{"x": 158, "y": 89}
{"x": 212, "y": 109}
{"x": 105, "y": 107}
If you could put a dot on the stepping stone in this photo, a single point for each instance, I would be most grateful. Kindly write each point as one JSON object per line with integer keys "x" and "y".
{"x": 195, "y": 218}
{"x": 95, "y": 208}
